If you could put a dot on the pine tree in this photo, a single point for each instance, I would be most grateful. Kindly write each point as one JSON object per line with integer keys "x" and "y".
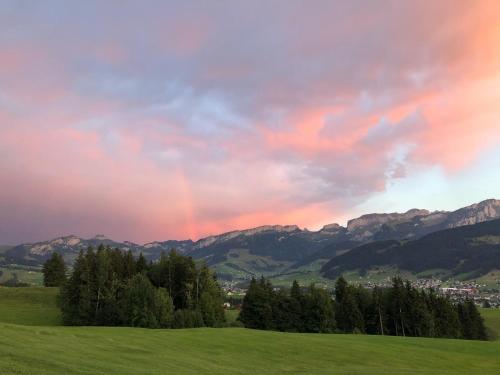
{"x": 54, "y": 271}
{"x": 102, "y": 283}
{"x": 397, "y": 295}
{"x": 471, "y": 321}
{"x": 285, "y": 313}
{"x": 319, "y": 315}
{"x": 347, "y": 312}
{"x": 444, "y": 315}
{"x": 141, "y": 264}
{"x": 295, "y": 291}
{"x": 71, "y": 294}
{"x": 295, "y": 307}
{"x": 419, "y": 320}
{"x": 256, "y": 311}
{"x": 129, "y": 265}
{"x": 208, "y": 297}
{"x": 376, "y": 319}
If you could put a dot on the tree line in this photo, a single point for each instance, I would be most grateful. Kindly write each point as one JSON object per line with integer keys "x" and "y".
{"x": 399, "y": 310}
{"x": 110, "y": 287}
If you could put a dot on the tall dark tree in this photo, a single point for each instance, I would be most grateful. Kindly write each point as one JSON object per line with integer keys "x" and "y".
{"x": 287, "y": 313}
{"x": 471, "y": 321}
{"x": 256, "y": 311}
{"x": 295, "y": 291}
{"x": 208, "y": 297}
{"x": 73, "y": 297}
{"x": 141, "y": 265}
{"x": 318, "y": 312}
{"x": 397, "y": 301}
{"x": 141, "y": 306}
{"x": 376, "y": 314}
{"x": 419, "y": 320}
{"x": 54, "y": 271}
{"x": 129, "y": 265}
{"x": 347, "y": 313}
{"x": 177, "y": 274}
{"x": 296, "y": 307}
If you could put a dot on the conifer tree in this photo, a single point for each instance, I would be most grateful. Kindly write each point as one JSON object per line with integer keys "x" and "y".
{"x": 376, "y": 321}
{"x": 141, "y": 264}
{"x": 295, "y": 291}
{"x": 54, "y": 271}
{"x": 295, "y": 307}
{"x": 396, "y": 307}
{"x": 256, "y": 311}
{"x": 141, "y": 303}
{"x": 209, "y": 297}
{"x": 347, "y": 312}
{"x": 419, "y": 320}
{"x": 319, "y": 315}
{"x": 472, "y": 323}
{"x": 72, "y": 293}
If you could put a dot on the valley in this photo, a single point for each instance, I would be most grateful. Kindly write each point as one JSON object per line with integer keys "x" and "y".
{"x": 370, "y": 248}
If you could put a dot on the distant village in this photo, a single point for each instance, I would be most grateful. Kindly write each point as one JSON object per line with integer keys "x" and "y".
{"x": 458, "y": 291}
{"x": 482, "y": 294}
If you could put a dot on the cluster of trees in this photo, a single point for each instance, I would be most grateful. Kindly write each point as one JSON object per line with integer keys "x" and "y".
{"x": 400, "y": 310}
{"x": 112, "y": 288}
{"x": 295, "y": 311}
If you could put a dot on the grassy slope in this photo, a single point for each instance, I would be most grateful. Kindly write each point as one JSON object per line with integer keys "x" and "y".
{"x": 492, "y": 321}
{"x": 29, "y": 306}
{"x": 91, "y": 350}
{"x": 24, "y": 274}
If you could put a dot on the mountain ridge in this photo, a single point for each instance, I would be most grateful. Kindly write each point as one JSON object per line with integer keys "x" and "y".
{"x": 473, "y": 249}
{"x": 271, "y": 249}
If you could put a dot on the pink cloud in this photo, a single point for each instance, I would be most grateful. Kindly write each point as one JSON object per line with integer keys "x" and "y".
{"x": 186, "y": 121}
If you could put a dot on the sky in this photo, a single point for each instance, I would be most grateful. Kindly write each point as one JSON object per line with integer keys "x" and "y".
{"x": 154, "y": 120}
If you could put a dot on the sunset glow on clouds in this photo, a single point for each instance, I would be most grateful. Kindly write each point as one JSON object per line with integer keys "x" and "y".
{"x": 168, "y": 120}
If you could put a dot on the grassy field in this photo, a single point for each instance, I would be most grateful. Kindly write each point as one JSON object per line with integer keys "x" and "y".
{"x": 27, "y": 275}
{"x": 31, "y": 343}
{"x": 29, "y": 306}
{"x": 492, "y": 320}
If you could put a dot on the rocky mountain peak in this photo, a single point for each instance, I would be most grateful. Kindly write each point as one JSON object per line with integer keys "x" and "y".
{"x": 334, "y": 227}
{"x": 475, "y": 213}
{"x": 284, "y": 242}
{"x": 374, "y": 221}
{"x": 246, "y": 232}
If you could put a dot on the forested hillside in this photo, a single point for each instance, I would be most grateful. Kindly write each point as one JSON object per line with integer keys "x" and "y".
{"x": 471, "y": 249}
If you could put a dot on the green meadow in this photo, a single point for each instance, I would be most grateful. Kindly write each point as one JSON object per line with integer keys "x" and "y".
{"x": 29, "y": 275}
{"x": 33, "y": 342}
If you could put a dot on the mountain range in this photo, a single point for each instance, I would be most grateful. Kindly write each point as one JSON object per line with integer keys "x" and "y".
{"x": 281, "y": 250}
{"x": 463, "y": 252}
